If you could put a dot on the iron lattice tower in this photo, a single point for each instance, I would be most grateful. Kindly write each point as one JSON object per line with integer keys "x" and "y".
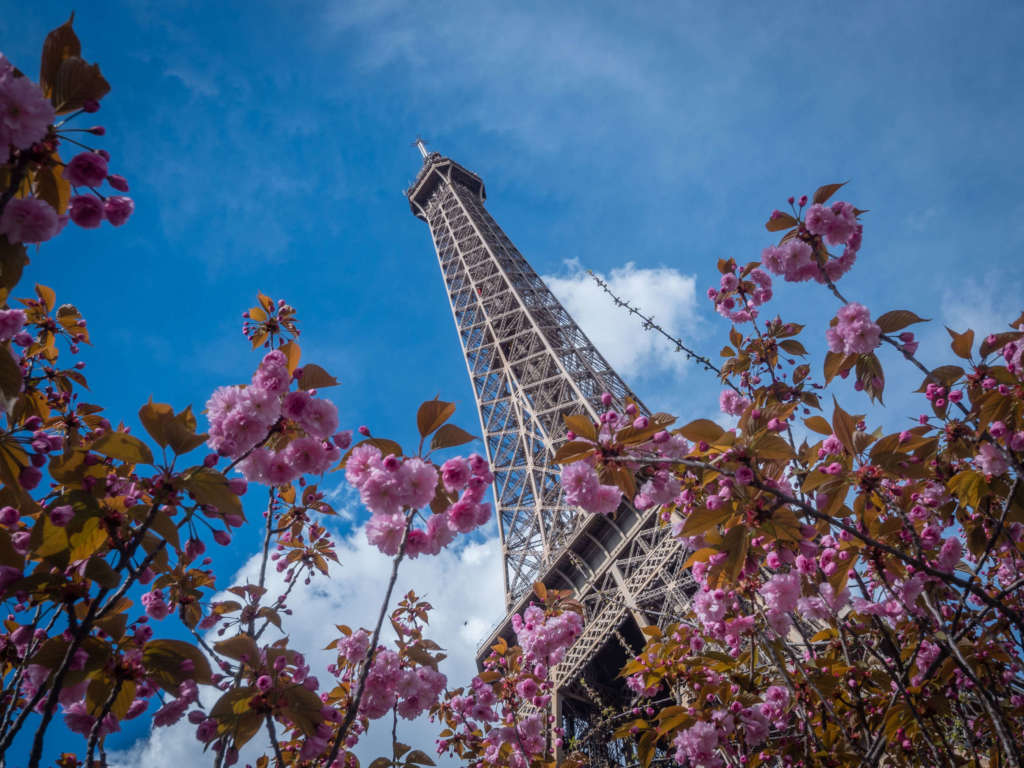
{"x": 530, "y": 365}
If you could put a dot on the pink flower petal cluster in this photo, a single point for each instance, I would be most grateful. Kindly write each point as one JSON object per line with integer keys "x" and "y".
{"x": 837, "y": 223}
{"x": 738, "y": 301}
{"x": 11, "y": 323}
{"x": 781, "y": 593}
{"x": 86, "y": 169}
{"x": 990, "y": 460}
{"x": 696, "y": 746}
{"x": 241, "y": 417}
{"x": 543, "y": 638}
{"x": 29, "y": 220}
{"x": 854, "y": 333}
{"x": 388, "y": 485}
{"x": 732, "y": 402}
{"x": 794, "y": 259}
{"x": 154, "y": 604}
{"x": 25, "y": 113}
{"x": 583, "y": 489}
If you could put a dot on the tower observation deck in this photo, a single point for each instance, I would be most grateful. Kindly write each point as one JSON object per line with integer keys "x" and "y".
{"x": 530, "y": 365}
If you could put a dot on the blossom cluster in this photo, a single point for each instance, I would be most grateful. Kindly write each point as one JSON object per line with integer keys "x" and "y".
{"x": 487, "y": 716}
{"x": 543, "y": 637}
{"x": 242, "y": 418}
{"x": 854, "y": 332}
{"x": 26, "y": 116}
{"x": 801, "y": 255}
{"x": 388, "y": 485}
{"x": 740, "y": 293}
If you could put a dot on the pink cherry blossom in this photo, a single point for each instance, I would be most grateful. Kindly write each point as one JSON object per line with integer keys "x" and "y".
{"x": 384, "y": 531}
{"x": 86, "y": 211}
{"x": 28, "y": 220}
{"x": 25, "y": 113}
{"x": 319, "y": 418}
{"x": 118, "y": 209}
{"x": 86, "y": 169}
{"x": 855, "y": 333}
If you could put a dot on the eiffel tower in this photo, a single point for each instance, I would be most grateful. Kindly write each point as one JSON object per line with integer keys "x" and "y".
{"x": 530, "y": 365}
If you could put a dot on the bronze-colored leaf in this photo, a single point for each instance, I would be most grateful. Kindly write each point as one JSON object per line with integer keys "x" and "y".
{"x": 999, "y": 340}
{"x": 449, "y": 436}
{"x": 163, "y": 659}
{"x": 573, "y": 451}
{"x": 432, "y": 414}
{"x": 946, "y": 375}
{"x": 792, "y": 346}
{"x": 293, "y": 352}
{"x": 780, "y": 222}
{"x": 315, "y": 377}
{"x": 702, "y": 430}
{"x": 153, "y": 417}
{"x": 52, "y": 187}
{"x": 241, "y": 647}
{"x": 87, "y": 541}
{"x": 897, "y": 320}
{"x": 581, "y": 425}
{"x": 180, "y": 432}
{"x": 209, "y": 486}
{"x": 10, "y": 375}
{"x": 703, "y": 519}
{"x": 59, "y": 44}
{"x": 824, "y": 192}
{"x": 819, "y": 425}
{"x": 13, "y": 259}
{"x": 127, "y": 448}
{"x": 844, "y": 425}
{"x": 961, "y": 343}
{"x": 419, "y": 757}
{"x": 77, "y": 83}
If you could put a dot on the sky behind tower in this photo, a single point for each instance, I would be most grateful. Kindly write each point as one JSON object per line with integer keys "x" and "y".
{"x": 268, "y": 144}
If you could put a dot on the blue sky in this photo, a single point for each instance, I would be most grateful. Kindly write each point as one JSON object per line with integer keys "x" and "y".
{"x": 267, "y": 145}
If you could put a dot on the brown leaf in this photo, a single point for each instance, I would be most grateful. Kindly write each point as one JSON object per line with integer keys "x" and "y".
{"x": 897, "y": 320}
{"x": 819, "y": 425}
{"x": 125, "y": 447}
{"x": 52, "y": 187}
{"x": 293, "y": 352}
{"x": 962, "y": 343}
{"x": 12, "y": 261}
{"x": 10, "y": 375}
{"x": 780, "y": 222}
{"x": 824, "y": 192}
{"x": 449, "y": 436}
{"x": 209, "y": 486}
{"x": 999, "y": 340}
{"x": 154, "y": 417}
{"x": 582, "y": 425}
{"x": 792, "y": 346}
{"x": 572, "y": 451}
{"x": 163, "y": 661}
{"x": 241, "y": 647}
{"x": 77, "y": 82}
{"x": 315, "y": 377}
{"x": 703, "y": 519}
{"x": 59, "y": 44}
{"x": 702, "y": 429}
{"x": 432, "y": 414}
{"x": 844, "y": 425}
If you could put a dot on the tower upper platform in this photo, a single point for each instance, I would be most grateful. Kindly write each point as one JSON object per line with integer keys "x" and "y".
{"x": 437, "y": 168}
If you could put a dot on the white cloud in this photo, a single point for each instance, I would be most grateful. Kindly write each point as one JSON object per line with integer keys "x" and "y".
{"x": 463, "y": 585}
{"x": 666, "y": 294}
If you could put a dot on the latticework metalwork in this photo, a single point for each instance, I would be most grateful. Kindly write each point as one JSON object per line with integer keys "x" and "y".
{"x": 531, "y": 365}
